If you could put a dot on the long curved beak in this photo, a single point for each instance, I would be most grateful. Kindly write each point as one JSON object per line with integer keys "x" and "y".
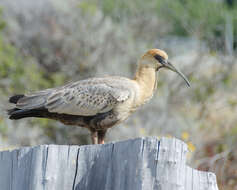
{"x": 168, "y": 65}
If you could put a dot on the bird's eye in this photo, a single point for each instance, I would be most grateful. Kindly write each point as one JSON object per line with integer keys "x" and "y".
{"x": 160, "y": 59}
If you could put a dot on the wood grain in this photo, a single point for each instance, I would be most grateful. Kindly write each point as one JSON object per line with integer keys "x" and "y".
{"x": 137, "y": 164}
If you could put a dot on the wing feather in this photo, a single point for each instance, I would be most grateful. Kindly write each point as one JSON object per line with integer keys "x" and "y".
{"x": 85, "y": 100}
{"x": 86, "y": 97}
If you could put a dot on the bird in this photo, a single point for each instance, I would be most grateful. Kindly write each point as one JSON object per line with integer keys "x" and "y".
{"x": 97, "y": 103}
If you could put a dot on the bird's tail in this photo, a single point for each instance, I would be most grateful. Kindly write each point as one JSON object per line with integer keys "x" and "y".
{"x": 14, "y": 99}
{"x": 16, "y": 113}
{"x": 19, "y": 113}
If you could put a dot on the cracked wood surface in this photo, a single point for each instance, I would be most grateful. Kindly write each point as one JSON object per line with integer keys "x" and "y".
{"x": 137, "y": 164}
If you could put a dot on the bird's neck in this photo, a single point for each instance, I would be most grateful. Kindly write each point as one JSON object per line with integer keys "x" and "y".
{"x": 146, "y": 78}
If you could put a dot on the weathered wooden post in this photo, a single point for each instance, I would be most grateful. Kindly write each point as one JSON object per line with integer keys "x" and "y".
{"x": 138, "y": 164}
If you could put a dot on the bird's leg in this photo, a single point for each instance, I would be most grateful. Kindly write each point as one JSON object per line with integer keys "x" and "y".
{"x": 94, "y": 136}
{"x": 101, "y": 136}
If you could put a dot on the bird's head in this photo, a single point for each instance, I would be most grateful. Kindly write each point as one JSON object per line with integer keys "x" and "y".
{"x": 158, "y": 59}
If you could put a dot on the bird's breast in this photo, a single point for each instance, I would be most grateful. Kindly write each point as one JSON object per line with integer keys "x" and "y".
{"x": 123, "y": 110}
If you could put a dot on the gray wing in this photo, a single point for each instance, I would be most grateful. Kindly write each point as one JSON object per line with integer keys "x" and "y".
{"x": 80, "y": 98}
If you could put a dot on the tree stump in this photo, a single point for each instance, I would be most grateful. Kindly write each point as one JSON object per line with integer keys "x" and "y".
{"x": 137, "y": 164}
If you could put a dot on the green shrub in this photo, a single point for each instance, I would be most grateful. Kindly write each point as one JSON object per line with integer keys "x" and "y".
{"x": 203, "y": 19}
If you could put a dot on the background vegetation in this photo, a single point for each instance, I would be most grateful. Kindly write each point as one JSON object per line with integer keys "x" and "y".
{"x": 48, "y": 43}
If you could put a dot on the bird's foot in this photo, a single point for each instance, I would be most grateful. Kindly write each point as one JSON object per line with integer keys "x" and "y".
{"x": 98, "y": 137}
{"x": 94, "y": 137}
{"x": 101, "y": 136}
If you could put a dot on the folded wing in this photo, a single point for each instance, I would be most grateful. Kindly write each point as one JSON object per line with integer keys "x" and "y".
{"x": 83, "y": 98}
